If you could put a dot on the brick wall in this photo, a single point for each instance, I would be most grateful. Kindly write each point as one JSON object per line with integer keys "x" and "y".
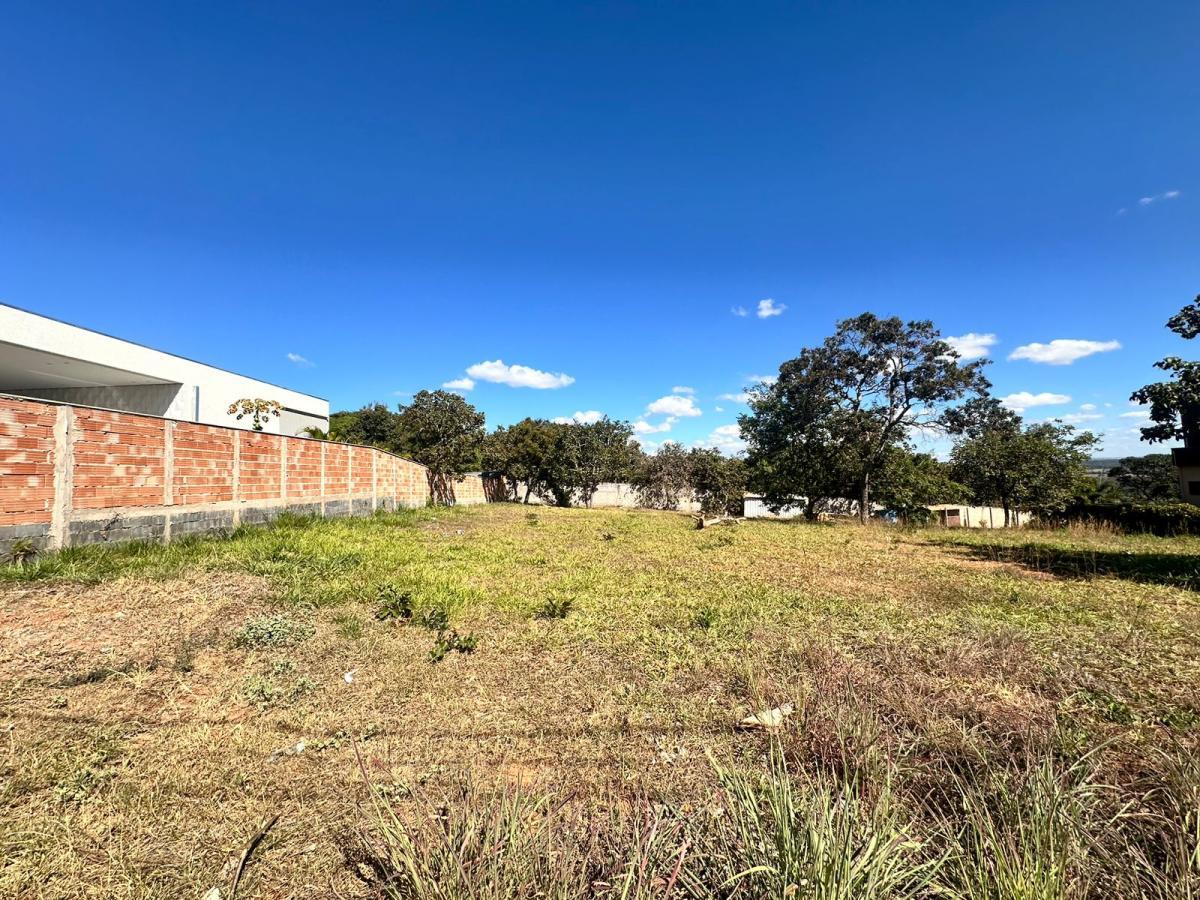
{"x": 73, "y": 475}
{"x": 26, "y": 463}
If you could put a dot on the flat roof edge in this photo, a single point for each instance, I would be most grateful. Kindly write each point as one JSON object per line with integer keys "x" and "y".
{"x": 197, "y": 362}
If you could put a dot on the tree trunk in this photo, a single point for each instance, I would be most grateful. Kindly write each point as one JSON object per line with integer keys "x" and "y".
{"x": 810, "y": 509}
{"x": 528, "y": 490}
{"x": 1007, "y": 514}
{"x": 864, "y": 503}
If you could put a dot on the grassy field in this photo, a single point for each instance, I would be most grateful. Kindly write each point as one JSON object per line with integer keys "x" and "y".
{"x": 505, "y": 702}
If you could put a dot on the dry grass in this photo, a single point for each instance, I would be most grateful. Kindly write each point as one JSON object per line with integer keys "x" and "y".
{"x": 145, "y": 742}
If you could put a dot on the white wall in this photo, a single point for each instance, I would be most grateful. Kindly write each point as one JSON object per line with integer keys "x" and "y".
{"x": 201, "y": 392}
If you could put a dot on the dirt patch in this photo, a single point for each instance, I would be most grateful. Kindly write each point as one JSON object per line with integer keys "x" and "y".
{"x": 57, "y": 631}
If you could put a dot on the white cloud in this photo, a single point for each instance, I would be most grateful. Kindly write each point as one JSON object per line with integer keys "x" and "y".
{"x": 762, "y": 379}
{"x": 498, "y": 372}
{"x": 673, "y": 405}
{"x": 740, "y": 397}
{"x": 768, "y": 308}
{"x": 1023, "y": 400}
{"x": 682, "y": 389}
{"x": 972, "y": 345}
{"x": 719, "y": 408}
{"x": 1087, "y": 407}
{"x": 1135, "y": 414}
{"x": 459, "y": 384}
{"x": 587, "y": 417}
{"x": 641, "y": 426}
{"x": 726, "y": 438}
{"x": 300, "y": 361}
{"x": 1155, "y": 198}
{"x": 739, "y": 311}
{"x": 1062, "y": 351}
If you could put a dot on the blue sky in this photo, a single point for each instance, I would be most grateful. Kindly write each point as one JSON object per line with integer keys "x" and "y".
{"x": 396, "y": 193}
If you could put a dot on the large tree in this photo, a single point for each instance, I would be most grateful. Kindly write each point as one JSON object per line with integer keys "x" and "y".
{"x": 838, "y": 410}
{"x": 586, "y": 455}
{"x": 443, "y": 432}
{"x": 524, "y": 455}
{"x": 372, "y": 426}
{"x": 717, "y": 481}
{"x": 1175, "y": 404}
{"x": 1151, "y": 477}
{"x": 664, "y": 478}
{"x": 1035, "y": 467}
{"x": 911, "y": 482}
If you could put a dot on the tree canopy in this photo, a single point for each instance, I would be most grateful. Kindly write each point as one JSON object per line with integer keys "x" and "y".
{"x": 1001, "y": 461}
{"x": 1151, "y": 478}
{"x": 443, "y": 432}
{"x": 828, "y": 425}
{"x": 1175, "y": 404}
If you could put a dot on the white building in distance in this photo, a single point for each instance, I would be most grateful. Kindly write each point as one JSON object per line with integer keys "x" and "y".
{"x": 46, "y": 359}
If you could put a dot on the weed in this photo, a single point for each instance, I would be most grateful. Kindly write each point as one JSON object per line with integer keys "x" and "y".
{"x": 392, "y": 603}
{"x": 21, "y": 551}
{"x": 706, "y": 616}
{"x": 264, "y": 691}
{"x": 554, "y": 608}
{"x": 349, "y": 626}
{"x": 451, "y": 642}
{"x": 276, "y": 630}
{"x": 435, "y": 618}
{"x": 92, "y": 773}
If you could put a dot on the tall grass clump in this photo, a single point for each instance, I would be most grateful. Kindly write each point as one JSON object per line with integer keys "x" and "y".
{"x": 828, "y": 839}
{"x": 1030, "y": 833}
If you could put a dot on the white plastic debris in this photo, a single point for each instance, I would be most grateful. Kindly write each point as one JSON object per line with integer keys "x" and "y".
{"x": 768, "y": 719}
{"x": 349, "y": 676}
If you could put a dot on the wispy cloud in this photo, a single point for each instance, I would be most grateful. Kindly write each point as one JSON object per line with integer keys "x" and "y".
{"x": 298, "y": 360}
{"x": 1155, "y": 198}
{"x": 1062, "y": 351}
{"x": 740, "y": 397}
{"x": 768, "y": 308}
{"x": 498, "y": 372}
{"x": 740, "y": 311}
{"x": 1135, "y": 414}
{"x": 586, "y": 417}
{"x": 1023, "y": 400}
{"x": 459, "y": 384}
{"x": 1150, "y": 200}
{"x": 682, "y": 389}
{"x": 674, "y": 405}
{"x": 1087, "y": 407}
{"x": 972, "y": 345}
{"x": 762, "y": 379}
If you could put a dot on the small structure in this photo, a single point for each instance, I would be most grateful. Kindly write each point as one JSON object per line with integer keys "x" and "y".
{"x": 45, "y": 359}
{"x": 955, "y": 515}
{"x": 1187, "y": 466}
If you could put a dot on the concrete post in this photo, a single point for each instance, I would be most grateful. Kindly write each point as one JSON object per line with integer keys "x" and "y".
{"x": 237, "y": 477}
{"x": 168, "y": 476}
{"x": 283, "y": 469}
{"x": 322, "y": 489}
{"x": 64, "y": 477}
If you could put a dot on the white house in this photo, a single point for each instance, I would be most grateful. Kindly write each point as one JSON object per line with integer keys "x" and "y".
{"x": 46, "y": 359}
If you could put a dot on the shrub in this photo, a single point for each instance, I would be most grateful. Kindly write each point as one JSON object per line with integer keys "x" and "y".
{"x": 1163, "y": 519}
{"x": 272, "y": 631}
